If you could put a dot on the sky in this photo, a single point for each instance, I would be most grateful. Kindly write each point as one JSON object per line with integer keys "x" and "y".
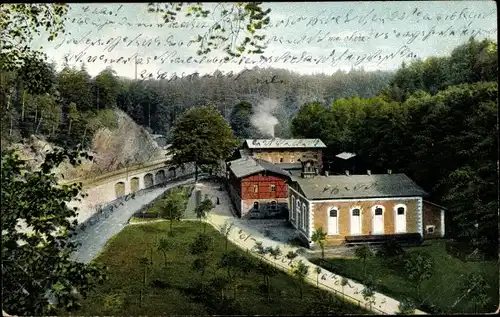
{"x": 304, "y": 37}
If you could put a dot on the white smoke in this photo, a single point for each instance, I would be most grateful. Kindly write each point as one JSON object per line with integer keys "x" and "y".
{"x": 262, "y": 117}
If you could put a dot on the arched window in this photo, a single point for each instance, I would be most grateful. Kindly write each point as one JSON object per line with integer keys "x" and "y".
{"x": 400, "y": 218}
{"x": 355, "y": 221}
{"x": 299, "y": 213}
{"x": 273, "y": 205}
{"x": 255, "y": 188}
{"x": 378, "y": 220}
{"x": 333, "y": 221}
{"x": 304, "y": 218}
{"x": 256, "y": 205}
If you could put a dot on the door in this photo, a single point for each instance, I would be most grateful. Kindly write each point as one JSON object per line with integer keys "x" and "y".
{"x": 378, "y": 221}
{"x": 355, "y": 221}
{"x": 401, "y": 220}
{"x": 333, "y": 228}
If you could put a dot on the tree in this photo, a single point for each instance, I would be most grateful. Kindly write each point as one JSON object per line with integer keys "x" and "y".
{"x": 475, "y": 288}
{"x": 240, "y": 120}
{"x": 37, "y": 273}
{"x": 200, "y": 248}
{"x": 419, "y": 267}
{"x": 231, "y": 21}
{"x": 406, "y": 307}
{"x": 319, "y": 237}
{"x": 267, "y": 271}
{"x": 226, "y": 230}
{"x": 201, "y": 135}
{"x": 291, "y": 255}
{"x": 300, "y": 271}
{"x": 368, "y": 291}
{"x": 363, "y": 252}
{"x": 164, "y": 245}
{"x": 105, "y": 89}
{"x": 18, "y": 24}
{"x": 343, "y": 282}
{"x": 236, "y": 265}
{"x": 173, "y": 206}
{"x": 203, "y": 209}
{"x": 317, "y": 269}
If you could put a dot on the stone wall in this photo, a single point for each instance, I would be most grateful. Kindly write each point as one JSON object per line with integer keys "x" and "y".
{"x": 432, "y": 217}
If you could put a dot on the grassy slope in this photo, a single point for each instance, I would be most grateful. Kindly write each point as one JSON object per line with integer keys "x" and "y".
{"x": 441, "y": 290}
{"x": 122, "y": 254}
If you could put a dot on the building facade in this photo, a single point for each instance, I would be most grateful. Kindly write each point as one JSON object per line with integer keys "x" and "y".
{"x": 286, "y": 153}
{"x": 258, "y": 189}
{"x": 346, "y": 206}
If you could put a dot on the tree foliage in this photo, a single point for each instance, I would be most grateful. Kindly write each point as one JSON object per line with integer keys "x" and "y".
{"x": 38, "y": 275}
{"x": 319, "y": 237}
{"x": 19, "y": 23}
{"x": 174, "y": 205}
{"x": 201, "y": 135}
{"x": 419, "y": 266}
{"x": 231, "y": 23}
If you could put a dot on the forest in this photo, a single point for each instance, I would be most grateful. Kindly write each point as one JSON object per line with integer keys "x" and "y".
{"x": 436, "y": 121}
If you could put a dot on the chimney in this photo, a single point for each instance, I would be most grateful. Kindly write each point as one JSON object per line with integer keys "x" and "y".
{"x": 347, "y": 172}
{"x": 368, "y": 172}
{"x": 389, "y": 171}
{"x": 326, "y": 173}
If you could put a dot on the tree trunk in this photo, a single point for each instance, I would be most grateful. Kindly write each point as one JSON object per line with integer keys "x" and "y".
{"x": 39, "y": 122}
{"x": 140, "y": 299}
{"x": 322, "y": 252}
{"x": 301, "y": 293}
{"x": 145, "y": 268}
{"x": 22, "y": 109}
{"x": 69, "y": 129}
{"x": 165, "y": 258}
{"x": 195, "y": 171}
{"x": 226, "y": 243}
{"x": 171, "y": 220}
{"x": 268, "y": 281}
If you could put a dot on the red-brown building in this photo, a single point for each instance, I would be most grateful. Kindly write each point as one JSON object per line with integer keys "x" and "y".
{"x": 257, "y": 188}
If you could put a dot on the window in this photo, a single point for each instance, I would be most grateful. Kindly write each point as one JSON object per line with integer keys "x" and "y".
{"x": 355, "y": 212}
{"x": 430, "y": 229}
{"x": 304, "y": 212}
{"x": 401, "y": 211}
{"x": 273, "y": 187}
{"x": 281, "y": 160}
{"x": 273, "y": 205}
{"x": 255, "y": 188}
{"x": 256, "y": 205}
{"x": 378, "y": 211}
{"x": 333, "y": 222}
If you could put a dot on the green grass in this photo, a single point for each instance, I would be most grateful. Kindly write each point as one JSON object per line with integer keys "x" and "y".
{"x": 440, "y": 291}
{"x": 179, "y": 296}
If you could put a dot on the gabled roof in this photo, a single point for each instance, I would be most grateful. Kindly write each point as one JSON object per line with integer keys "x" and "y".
{"x": 359, "y": 186}
{"x": 284, "y": 143}
{"x": 249, "y": 165}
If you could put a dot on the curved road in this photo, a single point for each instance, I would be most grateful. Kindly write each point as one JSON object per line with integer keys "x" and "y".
{"x": 95, "y": 237}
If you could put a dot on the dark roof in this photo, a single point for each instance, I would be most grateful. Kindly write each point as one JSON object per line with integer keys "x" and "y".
{"x": 249, "y": 165}
{"x": 436, "y": 205}
{"x": 284, "y": 143}
{"x": 359, "y": 186}
{"x": 289, "y": 166}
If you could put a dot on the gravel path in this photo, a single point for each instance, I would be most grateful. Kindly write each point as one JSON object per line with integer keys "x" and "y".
{"x": 95, "y": 237}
